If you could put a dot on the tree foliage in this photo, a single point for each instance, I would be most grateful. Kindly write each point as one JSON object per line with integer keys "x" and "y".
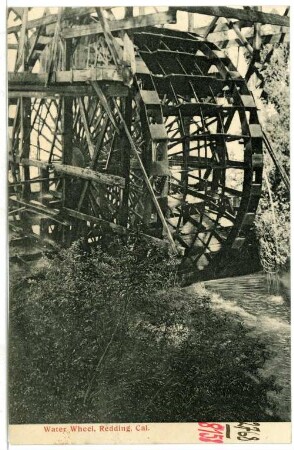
{"x": 273, "y": 219}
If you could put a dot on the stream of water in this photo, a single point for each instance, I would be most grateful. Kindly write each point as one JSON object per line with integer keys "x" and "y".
{"x": 264, "y": 308}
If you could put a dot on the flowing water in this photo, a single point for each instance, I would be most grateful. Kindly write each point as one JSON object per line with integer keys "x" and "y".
{"x": 264, "y": 308}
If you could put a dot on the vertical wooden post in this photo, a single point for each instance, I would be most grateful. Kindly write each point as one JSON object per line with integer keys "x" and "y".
{"x": 186, "y": 153}
{"x": 191, "y": 22}
{"x": 25, "y": 140}
{"x": 25, "y": 105}
{"x": 25, "y": 123}
{"x": 256, "y": 46}
{"x": 125, "y": 160}
{"x": 22, "y": 53}
{"x": 67, "y": 137}
{"x": 129, "y": 12}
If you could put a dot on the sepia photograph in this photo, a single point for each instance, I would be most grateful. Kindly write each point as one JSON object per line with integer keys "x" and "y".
{"x": 148, "y": 211}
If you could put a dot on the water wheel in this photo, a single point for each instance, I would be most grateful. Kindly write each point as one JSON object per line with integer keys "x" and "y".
{"x": 192, "y": 122}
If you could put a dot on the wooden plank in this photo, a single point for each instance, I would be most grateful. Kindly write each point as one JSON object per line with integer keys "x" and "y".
{"x": 109, "y": 73}
{"x": 234, "y": 13}
{"x": 113, "y": 89}
{"x": 147, "y": 20}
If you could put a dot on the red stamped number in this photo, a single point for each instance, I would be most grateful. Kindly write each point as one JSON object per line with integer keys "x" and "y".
{"x": 211, "y": 432}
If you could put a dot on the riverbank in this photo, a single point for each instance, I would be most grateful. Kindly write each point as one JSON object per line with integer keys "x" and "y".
{"x": 263, "y": 306}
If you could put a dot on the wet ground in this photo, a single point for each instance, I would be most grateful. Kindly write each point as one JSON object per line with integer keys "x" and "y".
{"x": 263, "y": 306}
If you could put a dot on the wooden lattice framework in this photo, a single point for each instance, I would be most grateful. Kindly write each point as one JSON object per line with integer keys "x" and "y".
{"x": 132, "y": 125}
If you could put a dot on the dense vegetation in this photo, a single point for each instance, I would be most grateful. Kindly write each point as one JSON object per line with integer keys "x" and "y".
{"x": 273, "y": 219}
{"x": 110, "y": 337}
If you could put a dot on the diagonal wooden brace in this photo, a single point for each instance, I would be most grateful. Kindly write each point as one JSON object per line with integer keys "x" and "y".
{"x": 141, "y": 165}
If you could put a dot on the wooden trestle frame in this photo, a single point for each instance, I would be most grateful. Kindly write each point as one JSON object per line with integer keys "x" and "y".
{"x": 128, "y": 125}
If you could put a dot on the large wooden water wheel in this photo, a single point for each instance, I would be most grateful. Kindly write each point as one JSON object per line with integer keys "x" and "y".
{"x": 174, "y": 154}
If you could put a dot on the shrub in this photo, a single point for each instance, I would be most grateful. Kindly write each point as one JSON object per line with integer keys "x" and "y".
{"x": 109, "y": 336}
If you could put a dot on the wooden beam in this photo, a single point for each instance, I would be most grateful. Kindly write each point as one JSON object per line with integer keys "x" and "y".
{"x": 67, "y": 135}
{"x": 104, "y": 103}
{"x": 25, "y": 141}
{"x": 114, "y": 49}
{"x": 257, "y": 41}
{"x": 22, "y": 43}
{"x": 52, "y": 18}
{"x": 17, "y": 11}
{"x": 119, "y": 229}
{"x": 277, "y": 161}
{"x": 32, "y": 162}
{"x": 228, "y": 38}
{"x": 148, "y": 20}
{"x": 79, "y": 172}
{"x": 92, "y": 219}
{"x": 114, "y": 89}
{"x": 88, "y": 174}
{"x": 125, "y": 154}
{"x": 269, "y": 39}
{"x": 86, "y": 127}
{"x": 54, "y": 47}
{"x": 94, "y": 160}
{"x": 53, "y": 214}
{"x": 241, "y": 37}
{"x": 67, "y": 76}
{"x": 234, "y": 13}
{"x": 223, "y": 26}
{"x": 222, "y": 31}
{"x": 210, "y": 27}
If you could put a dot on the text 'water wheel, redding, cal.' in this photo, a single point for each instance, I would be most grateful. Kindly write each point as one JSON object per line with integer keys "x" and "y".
{"x": 194, "y": 124}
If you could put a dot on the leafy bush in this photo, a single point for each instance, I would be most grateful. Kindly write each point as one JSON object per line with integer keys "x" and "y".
{"x": 110, "y": 337}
